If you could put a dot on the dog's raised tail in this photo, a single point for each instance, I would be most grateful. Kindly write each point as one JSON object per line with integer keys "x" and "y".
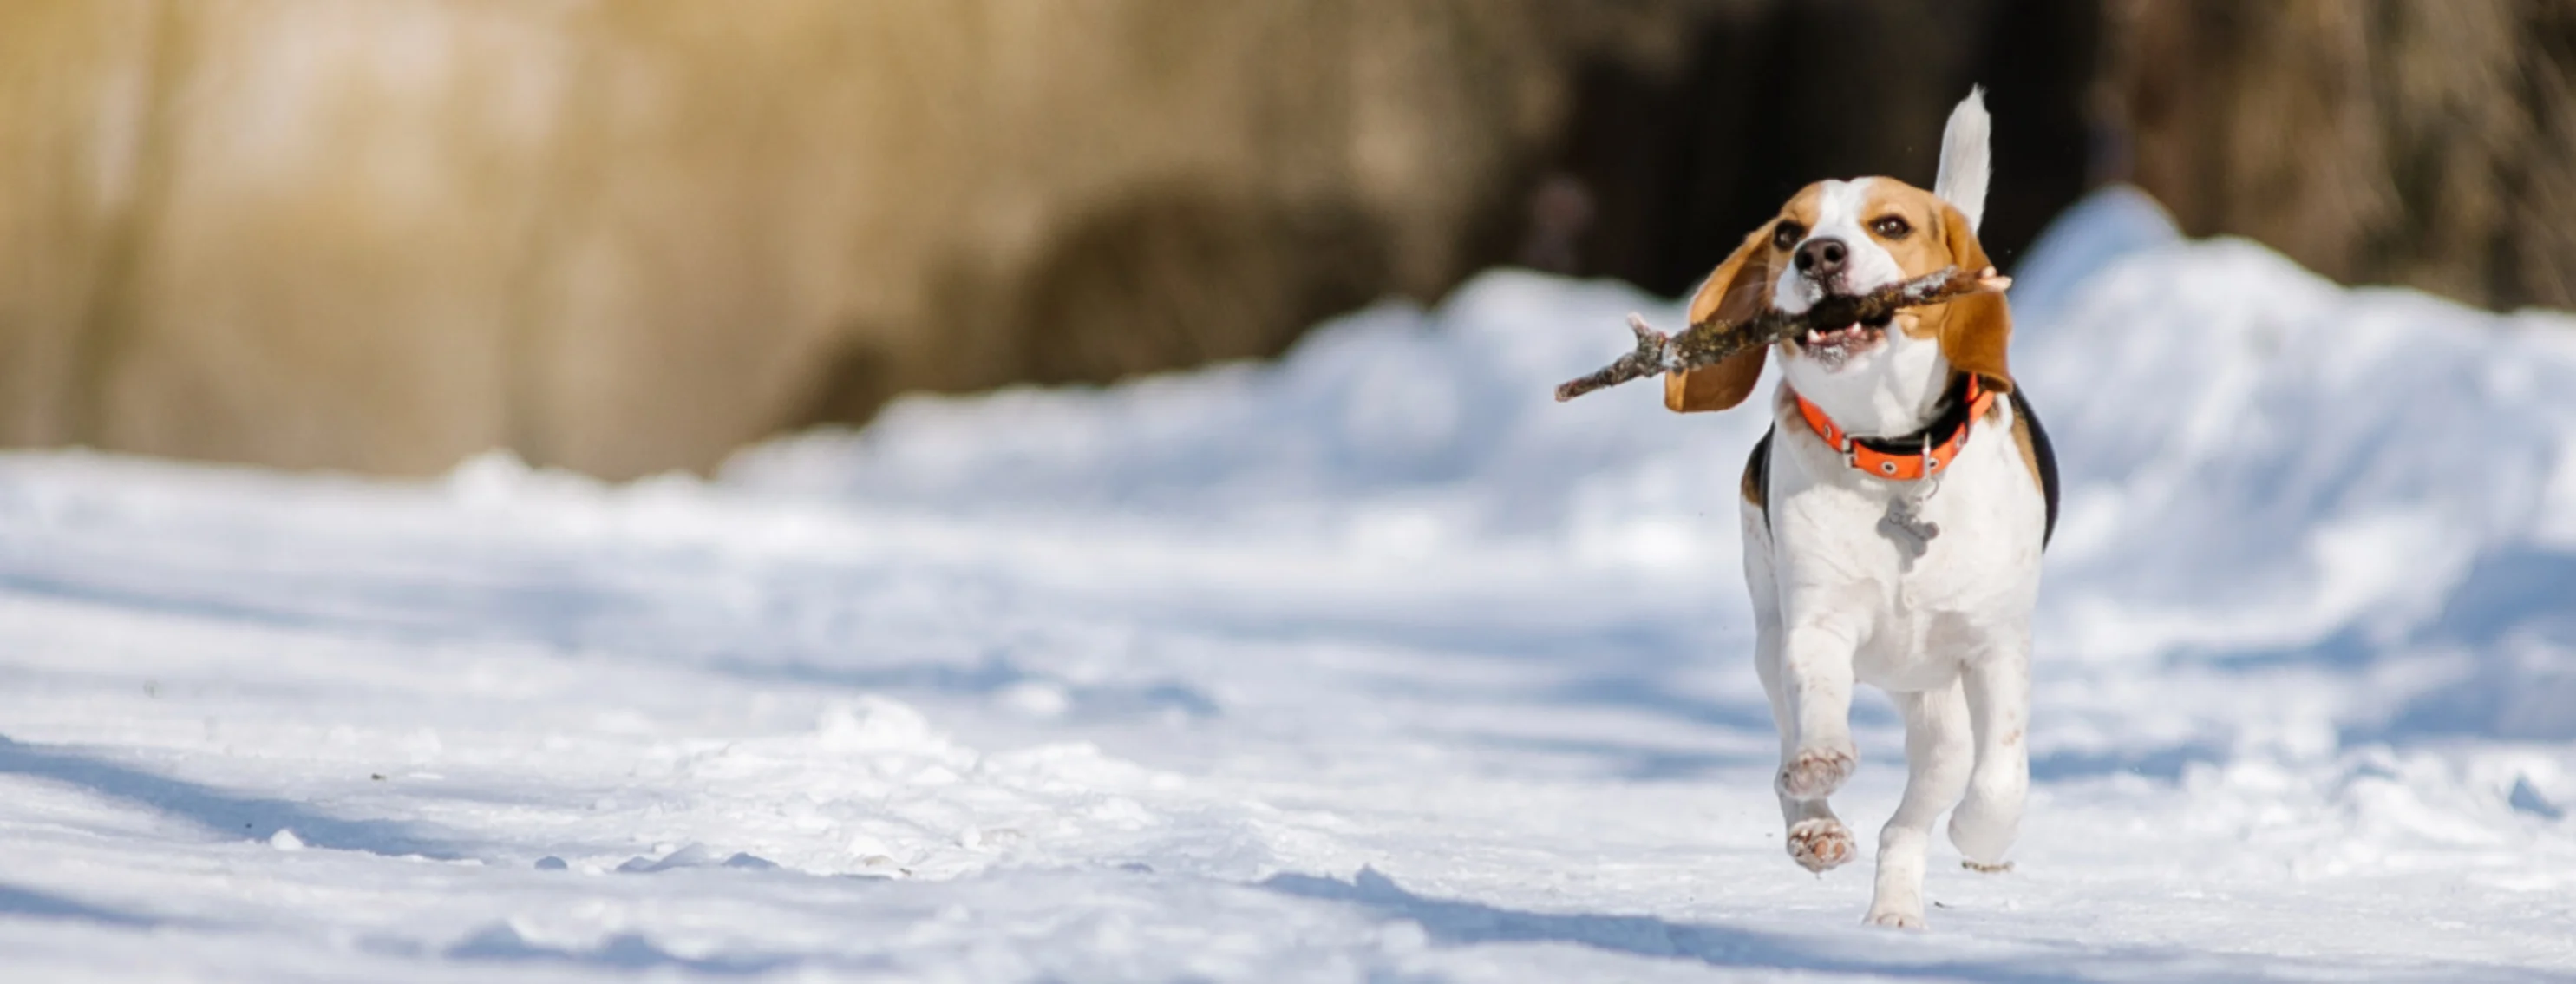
{"x": 1966, "y": 162}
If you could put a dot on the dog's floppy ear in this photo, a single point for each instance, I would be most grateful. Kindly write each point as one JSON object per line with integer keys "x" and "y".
{"x": 1740, "y": 289}
{"x": 1975, "y": 330}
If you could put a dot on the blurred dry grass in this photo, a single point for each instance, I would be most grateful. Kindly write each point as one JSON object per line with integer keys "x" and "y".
{"x": 2425, "y": 142}
{"x": 630, "y": 236}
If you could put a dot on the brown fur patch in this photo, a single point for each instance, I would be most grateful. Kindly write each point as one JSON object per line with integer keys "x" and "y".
{"x": 1920, "y": 250}
{"x": 1974, "y": 332}
{"x": 2029, "y": 451}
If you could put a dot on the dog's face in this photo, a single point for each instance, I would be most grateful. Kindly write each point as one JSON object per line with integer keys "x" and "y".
{"x": 1841, "y": 238}
{"x": 1852, "y": 237}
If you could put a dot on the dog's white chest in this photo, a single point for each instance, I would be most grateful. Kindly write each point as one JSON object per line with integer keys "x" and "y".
{"x": 1914, "y": 570}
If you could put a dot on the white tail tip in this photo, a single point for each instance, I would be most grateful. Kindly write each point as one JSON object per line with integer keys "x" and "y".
{"x": 1966, "y": 161}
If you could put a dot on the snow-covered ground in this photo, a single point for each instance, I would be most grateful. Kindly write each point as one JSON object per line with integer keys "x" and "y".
{"x": 1372, "y": 664}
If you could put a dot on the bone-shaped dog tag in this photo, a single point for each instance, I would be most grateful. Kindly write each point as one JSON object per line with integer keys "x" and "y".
{"x": 1908, "y": 529}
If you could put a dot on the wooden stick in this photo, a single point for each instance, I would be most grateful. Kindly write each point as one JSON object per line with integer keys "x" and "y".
{"x": 1712, "y": 341}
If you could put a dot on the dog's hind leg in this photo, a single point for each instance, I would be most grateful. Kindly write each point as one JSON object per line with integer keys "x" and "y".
{"x": 1938, "y": 753}
{"x": 1998, "y": 691}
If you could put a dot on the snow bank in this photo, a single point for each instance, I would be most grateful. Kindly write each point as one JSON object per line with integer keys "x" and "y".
{"x": 2265, "y": 467}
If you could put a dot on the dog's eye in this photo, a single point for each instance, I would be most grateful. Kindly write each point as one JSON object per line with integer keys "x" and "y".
{"x": 1787, "y": 234}
{"x": 1891, "y": 227}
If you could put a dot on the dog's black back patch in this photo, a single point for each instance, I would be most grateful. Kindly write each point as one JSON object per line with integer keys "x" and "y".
{"x": 2043, "y": 459}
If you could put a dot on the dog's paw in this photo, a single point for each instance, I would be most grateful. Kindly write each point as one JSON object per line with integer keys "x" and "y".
{"x": 1820, "y": 845}
{"x": 1996, "y": 868}
{"x": 1815, "y": 773}
{"x": 1895, "y": 919}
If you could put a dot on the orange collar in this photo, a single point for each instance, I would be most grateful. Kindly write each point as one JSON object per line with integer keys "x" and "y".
{"x": 1914, "y": 457}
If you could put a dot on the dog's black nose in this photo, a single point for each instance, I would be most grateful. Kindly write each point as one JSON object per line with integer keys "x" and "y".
{"x": 1822, "y": 256}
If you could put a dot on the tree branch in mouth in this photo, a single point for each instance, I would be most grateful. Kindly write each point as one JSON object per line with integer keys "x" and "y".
{"x": 1712, "y": 341}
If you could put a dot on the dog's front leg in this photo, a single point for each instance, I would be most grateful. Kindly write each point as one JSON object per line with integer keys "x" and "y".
{"x": 1816, "y": 680}
{"x": 1813, "y": 704}
{"x": 1998, "y": 690}
{"x": 1817, "y": 839}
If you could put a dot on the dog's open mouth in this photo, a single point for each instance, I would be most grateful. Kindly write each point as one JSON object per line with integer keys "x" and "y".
{"x": 1840, "y": 343}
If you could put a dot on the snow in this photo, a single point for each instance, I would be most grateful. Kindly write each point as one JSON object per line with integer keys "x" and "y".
{"x": 1371, "y": 664}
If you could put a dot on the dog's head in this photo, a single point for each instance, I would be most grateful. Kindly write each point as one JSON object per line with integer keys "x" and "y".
{"x": 1852, "y": 237}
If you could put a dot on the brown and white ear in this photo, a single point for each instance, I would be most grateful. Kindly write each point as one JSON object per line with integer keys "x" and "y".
{"x": 1740, "y": 289}
{"x": 1974, "y": 331}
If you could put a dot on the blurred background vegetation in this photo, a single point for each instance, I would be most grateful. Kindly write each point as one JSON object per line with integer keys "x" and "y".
{"x": 625, "y": 236}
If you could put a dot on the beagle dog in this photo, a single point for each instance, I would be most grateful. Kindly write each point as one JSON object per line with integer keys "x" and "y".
{"x": 1893, "y": 516}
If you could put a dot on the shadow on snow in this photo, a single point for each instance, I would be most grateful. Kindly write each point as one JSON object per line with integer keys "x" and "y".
{"x": 219, "y": 814}
{"x": 1449, "y": 922}
{"x": 25, "y": 903}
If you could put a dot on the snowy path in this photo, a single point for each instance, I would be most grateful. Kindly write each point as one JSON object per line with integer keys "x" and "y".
{"x": 1374, "y": 665}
